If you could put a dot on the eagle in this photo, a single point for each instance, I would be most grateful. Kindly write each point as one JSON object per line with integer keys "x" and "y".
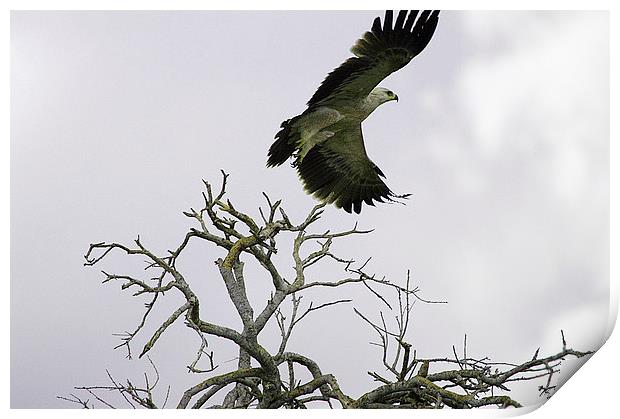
{"x": 326, "y": 140}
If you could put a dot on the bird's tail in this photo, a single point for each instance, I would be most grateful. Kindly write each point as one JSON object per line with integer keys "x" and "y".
{"x": 284, "y": 145}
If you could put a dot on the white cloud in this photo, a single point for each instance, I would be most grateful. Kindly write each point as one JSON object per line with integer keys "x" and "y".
{"x": 534, "y": 86}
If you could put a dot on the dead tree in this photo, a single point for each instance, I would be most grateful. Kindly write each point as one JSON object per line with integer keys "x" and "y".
{"x": 266, "y": 379}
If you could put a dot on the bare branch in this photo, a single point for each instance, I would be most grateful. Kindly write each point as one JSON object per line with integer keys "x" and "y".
{"x": 164, "y": 326}
{"x": 458, "y": 381}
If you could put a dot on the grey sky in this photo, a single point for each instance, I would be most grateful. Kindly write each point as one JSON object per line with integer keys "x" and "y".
{"x": 501, "y": 134}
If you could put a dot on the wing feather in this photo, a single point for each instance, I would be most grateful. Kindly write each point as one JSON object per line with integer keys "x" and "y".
{"x": 378, "y": 53}
{"x": 400, "y": 19}
{"x": 339, "y": 171}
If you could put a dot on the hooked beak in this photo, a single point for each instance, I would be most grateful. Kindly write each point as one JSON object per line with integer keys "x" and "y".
{"x": 396, "y": 98}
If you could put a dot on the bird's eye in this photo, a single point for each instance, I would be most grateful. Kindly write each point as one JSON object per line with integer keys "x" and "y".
{"x": 390, "y": 94}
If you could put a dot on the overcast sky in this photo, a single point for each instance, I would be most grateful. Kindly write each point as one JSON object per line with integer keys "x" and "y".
{"x": 501, "y": 135}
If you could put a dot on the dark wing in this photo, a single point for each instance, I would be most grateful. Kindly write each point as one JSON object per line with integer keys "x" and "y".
{"x": 284, "y": 145}
{"x": 339, "y": 171}
{"x": 378, "y": 53}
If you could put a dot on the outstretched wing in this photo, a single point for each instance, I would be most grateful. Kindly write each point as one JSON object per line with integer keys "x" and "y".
{"x": 339, "y": 171}
{"x": 378, "y": 53}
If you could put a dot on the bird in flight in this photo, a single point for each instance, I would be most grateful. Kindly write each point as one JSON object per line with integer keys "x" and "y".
{"x": 326, "y": 140}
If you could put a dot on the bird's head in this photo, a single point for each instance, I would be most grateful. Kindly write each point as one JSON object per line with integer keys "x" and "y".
{"x": 383, "y": 95}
